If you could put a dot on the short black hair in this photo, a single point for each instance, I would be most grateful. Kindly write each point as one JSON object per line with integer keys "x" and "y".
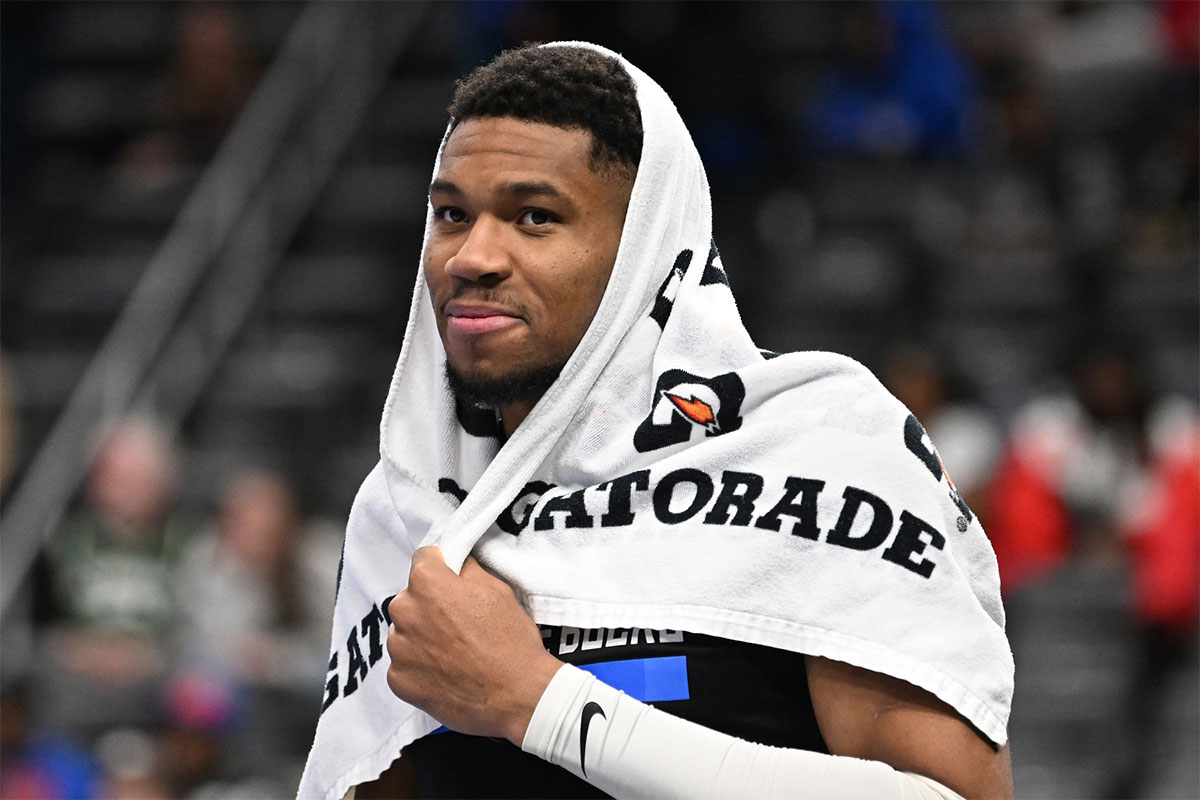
{"x": 568, "y": 87}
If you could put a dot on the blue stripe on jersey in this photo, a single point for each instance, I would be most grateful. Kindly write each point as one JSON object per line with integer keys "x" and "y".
{"x": 650, "y": 680}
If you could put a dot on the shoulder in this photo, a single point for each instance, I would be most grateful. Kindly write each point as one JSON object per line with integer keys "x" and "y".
{"x": 821, "y": 365}
{"x": 823, "y": 390}
{"x": 821, "y": 371}
{"x": 831, "y": 412}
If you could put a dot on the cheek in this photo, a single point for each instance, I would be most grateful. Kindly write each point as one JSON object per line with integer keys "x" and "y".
{"x": 435, "y": 289}
{"x": 583, "y": 297}
{"x": 594, "y": 279}
{"x": 592, "y": 293}
{"x": 435, "y": 277}
{"x": 428, "y": 259}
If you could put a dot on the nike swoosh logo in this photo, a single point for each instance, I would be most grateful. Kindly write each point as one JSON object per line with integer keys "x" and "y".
{"x": 590, "y": 710}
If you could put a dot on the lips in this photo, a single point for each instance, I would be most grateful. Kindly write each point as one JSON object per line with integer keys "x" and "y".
{"x": 477, "y": 318}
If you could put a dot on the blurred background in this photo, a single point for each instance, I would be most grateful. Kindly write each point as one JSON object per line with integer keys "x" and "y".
{"x": 211, "y": 219}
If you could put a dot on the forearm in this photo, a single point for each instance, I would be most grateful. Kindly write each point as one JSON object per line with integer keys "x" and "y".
{"x": 634, "y": 750}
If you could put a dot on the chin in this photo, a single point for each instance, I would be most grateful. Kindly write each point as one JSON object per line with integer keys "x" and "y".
{"x": 482, "y": 387}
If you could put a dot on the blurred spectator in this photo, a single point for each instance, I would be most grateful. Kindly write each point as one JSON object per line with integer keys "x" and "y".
{"x": 1078, "y": 37}
{"x": 199, "y": 712}
{"x": 113, "y": 561}
{"x": 119, "y": 535}
{"x": 254, "y": 592}
{"x": 1073, "y": 468}
{"x": 208, "y": 80}
{"x": 1091, "y": 52}
{"x": 255, "y": 595}
{"x": 1100, "y": 63}
{"x": 902, "y": 89}
{"x": 40, "y": 767}
{"x": 1163, "y": 531}
{"x": 1163, "y": 535}
{"x": 1180, "y": 20}
{"x": 1108, "y": 477}
{"x": 132, "y": 771}
{"x": 966, "y": 436}
{"x": 1022, "y": 116}
{"x": 111, "y": 570}
{"x": 1084, "y": 470}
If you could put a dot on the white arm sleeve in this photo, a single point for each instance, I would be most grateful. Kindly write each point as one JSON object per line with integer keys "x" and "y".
{"x": 634, "y": 750}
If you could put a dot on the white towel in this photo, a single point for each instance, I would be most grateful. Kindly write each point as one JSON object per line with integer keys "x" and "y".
{"x": 674, "y": 476}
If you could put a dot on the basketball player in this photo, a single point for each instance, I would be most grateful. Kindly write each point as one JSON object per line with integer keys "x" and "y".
{"x": 528, "y": 209}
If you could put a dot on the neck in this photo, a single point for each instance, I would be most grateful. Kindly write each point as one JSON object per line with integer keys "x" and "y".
{"x": 513, "y": 414}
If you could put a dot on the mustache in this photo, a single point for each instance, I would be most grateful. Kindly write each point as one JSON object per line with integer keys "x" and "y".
{"x": 479, "y": 294}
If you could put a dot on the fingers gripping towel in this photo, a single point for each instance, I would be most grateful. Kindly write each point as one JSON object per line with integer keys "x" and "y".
{"x": 674, "y": 476}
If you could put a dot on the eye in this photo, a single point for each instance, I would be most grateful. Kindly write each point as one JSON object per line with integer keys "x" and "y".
{"x": 535, "y": 217}
{"x": 449, "y": 214}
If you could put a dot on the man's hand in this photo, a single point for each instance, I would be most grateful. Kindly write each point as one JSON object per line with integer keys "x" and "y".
{"x": 464, "y": 651}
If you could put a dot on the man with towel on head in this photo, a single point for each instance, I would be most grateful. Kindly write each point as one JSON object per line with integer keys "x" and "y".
{"x": 607, "y": 528}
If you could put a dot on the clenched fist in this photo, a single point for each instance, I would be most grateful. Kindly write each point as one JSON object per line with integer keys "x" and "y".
{"x": 464, "y": 651}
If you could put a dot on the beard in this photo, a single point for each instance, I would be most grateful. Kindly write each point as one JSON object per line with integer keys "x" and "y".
{"x": 474, "y": 390}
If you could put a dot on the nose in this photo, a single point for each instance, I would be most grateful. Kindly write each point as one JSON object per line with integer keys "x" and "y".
{"x": 482, "y": 257}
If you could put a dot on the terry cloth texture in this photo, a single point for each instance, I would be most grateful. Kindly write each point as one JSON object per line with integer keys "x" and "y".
{"x": 674, "y": 476}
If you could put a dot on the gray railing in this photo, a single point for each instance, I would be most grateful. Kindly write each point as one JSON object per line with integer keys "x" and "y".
{"x": 201, "y": 284}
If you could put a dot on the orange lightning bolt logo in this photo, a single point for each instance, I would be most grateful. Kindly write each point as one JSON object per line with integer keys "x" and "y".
{"x": 694, "y": 409}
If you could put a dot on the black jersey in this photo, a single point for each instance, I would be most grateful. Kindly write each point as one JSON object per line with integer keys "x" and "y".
{"x": 750, "y": 691}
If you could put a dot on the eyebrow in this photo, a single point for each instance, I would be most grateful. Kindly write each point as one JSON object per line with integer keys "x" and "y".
{"x": 513, "y": 189}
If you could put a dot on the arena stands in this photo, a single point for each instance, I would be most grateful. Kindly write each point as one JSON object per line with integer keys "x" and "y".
{"x": 1045, "y": 201}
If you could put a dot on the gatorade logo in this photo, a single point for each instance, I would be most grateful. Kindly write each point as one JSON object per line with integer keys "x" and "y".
{"x": 687, "y": 405}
